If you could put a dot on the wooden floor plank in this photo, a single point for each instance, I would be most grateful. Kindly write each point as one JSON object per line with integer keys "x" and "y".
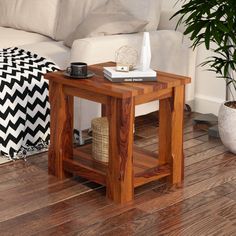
{"x": 191, "y": 158}
{"x": 179, "y": 219}
{"x": 142, "y": 221}
{"x": 164, "y": 201}
{"x": 35, "y": 203}
{"x": 205, "y": 146}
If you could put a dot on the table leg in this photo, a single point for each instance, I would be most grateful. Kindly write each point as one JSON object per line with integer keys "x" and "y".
{"x": 104, "y": 110}
{"x": 61, "y": 129}
{"x": 177, "y": 135}
{"x": 165, "y": 131}
{"x": 120, "y": 178}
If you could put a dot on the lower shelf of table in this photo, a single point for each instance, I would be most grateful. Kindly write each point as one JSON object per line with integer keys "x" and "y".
{"x": 146, "y": 168}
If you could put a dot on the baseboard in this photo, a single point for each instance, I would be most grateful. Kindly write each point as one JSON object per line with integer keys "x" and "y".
{"x": 207, "y": 104}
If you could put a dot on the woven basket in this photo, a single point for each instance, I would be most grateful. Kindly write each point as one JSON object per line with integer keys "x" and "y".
{"x": 100, "y": 145}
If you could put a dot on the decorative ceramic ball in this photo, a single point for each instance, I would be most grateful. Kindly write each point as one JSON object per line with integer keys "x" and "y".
{"x": 126, "y": 56}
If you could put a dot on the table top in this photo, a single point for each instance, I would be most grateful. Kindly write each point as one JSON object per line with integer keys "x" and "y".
{"x": 99, "y": 84}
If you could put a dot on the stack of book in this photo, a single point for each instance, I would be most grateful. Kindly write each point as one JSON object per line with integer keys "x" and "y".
{"x": 111, "y": 74}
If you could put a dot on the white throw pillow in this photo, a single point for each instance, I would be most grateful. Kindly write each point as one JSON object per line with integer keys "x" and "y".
{"x": 38, "y": 16}
{"x": 149, "y": 10}
{"x": 110, "y": 19}
{"x": 73, "y": 12}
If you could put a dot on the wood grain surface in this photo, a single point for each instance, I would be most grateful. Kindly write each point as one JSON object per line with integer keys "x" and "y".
{"x": 35, "y": 203}
{"x": 118, "y": 104}
{"x": 61, "y": 126}
{"x": 119, "y": 90}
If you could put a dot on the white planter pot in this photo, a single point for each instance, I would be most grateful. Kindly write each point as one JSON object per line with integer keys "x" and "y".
{"x": 227, "y": 127}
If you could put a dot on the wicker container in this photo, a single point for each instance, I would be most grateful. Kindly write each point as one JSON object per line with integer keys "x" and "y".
{"x": 100, "y": 145}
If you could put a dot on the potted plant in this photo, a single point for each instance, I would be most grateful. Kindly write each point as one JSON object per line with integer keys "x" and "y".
{"x": 213, "y": 24}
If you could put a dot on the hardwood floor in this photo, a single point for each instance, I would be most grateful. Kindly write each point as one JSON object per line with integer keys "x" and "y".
{"x": 35, "y": 203}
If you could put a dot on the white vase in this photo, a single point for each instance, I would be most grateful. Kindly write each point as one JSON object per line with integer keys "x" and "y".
{"x": 227, "y": 127}
{"x": 145, "y": 56}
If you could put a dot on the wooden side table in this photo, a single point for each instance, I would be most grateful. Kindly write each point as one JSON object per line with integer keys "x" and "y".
{"x": 128, "y": 166}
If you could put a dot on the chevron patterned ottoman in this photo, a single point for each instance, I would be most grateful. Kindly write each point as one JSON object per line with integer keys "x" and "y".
{"x": 24, "y": 106}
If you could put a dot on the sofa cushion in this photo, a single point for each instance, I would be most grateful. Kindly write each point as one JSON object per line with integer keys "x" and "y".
{"x": 30, "y": 15}
{"x": 109, "y": 19}
{"x": 73, "y": 12}
{"x": 55, "y": 52}
{"x": 12, "y": 37}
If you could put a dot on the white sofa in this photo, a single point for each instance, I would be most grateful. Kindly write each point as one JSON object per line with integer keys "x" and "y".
{"x": 41, "y": 26}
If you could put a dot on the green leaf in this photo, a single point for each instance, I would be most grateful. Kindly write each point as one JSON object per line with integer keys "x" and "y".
{"x": 212, "y": 22}
{"x": 208, "y": 36}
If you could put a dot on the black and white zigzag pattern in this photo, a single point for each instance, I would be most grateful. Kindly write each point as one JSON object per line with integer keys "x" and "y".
{"x": 24, "y": 106}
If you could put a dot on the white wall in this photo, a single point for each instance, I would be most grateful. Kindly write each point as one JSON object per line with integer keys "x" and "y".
{"x": 210, "y": 91}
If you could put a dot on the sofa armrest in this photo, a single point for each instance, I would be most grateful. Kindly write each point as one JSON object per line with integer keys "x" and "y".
{"x": 167, "y": 48}
{"x": 171, "y": 51}
{"x": 101, "y": 49}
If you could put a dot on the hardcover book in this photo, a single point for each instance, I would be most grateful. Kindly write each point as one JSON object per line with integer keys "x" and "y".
{"x": 112, "y": 73}
{"x": 131, "y": 79}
